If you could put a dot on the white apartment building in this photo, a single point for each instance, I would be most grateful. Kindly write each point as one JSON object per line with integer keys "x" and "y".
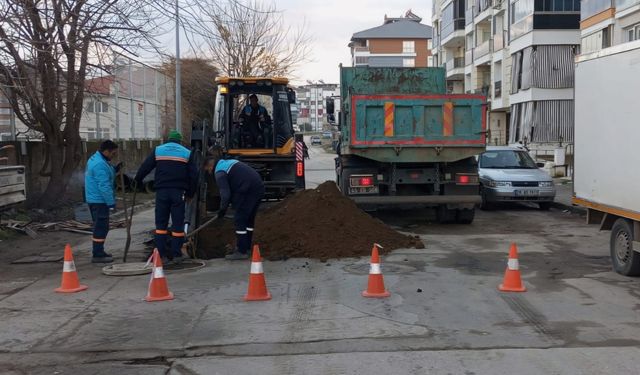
{"x": 605, "y": 23}
{"x": 519, "y": 53}
{"x": 311, "y": 104}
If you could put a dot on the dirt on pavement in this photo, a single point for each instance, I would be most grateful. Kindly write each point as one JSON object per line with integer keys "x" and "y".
{"x": 320, "y": 223}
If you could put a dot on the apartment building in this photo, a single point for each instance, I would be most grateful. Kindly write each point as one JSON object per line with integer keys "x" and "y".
{"x": 398, "y": 42}
{"x": 519, "y": 53}
{"x": 310, "y": 99}
{"x": 605, "y": 23}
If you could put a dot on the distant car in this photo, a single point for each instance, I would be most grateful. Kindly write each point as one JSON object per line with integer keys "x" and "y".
{"x": 509, "y": 174}
{"x": 315, "y": 140}
{"x": 326, "y": 135}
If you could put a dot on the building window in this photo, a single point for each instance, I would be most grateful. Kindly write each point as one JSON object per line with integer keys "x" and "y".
{"x": 97, "y": 106}
{"x": 362, "y": 60}
{"x": 408, "y": 46}
{"x": 408, "y": 63}
{"x": 430, "y": 61}
{"x": 5, "y": 111}
{"x": 633, "y": 33}
{"x": 429, "y": 44}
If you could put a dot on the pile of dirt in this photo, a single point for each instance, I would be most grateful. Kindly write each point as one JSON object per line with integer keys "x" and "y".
{"x": 320, "y": 223}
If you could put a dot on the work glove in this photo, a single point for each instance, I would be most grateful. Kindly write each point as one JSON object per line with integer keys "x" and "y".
{"x": 221, "y": 213}
{"x": 112, "y": 208}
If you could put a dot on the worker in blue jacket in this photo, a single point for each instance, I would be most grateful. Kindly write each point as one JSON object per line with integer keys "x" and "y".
{"x": 175, "y": 182}
{"x": 99, "y": 181}
{"x": 242, "y": 186}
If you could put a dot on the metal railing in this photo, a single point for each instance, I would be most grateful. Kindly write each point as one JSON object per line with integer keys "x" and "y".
{"x": 361, "y": 49}
{"x": 455, "y": 63}
{"x": 480, "y": 6}
{"x": 483, "y": 49}
{"x": 497, "y": 89}
{"x": 457, "y": 24}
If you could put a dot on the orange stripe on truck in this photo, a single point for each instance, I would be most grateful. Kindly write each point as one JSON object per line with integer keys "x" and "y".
{"x": 447, "y": 119}
{"x": 605, "y": 208}
{"x": 389, "y": 108}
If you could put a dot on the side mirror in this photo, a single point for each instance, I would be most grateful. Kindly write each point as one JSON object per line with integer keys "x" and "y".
{"x": 540, "y": 165}
{"x": 330, "y": 105}
{"x": 291, "y": 95}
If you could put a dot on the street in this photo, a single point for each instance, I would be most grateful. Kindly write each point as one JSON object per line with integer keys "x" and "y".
{"x": 445, "y": 314}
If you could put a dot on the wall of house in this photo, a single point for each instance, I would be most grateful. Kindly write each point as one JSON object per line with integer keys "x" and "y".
{"x": 395, "y": 46}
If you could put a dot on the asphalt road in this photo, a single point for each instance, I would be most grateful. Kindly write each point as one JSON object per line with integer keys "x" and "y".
{"x": 445, "y": 314}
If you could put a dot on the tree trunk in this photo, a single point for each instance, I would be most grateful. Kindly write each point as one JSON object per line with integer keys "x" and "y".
{"x": 64, "y": 158}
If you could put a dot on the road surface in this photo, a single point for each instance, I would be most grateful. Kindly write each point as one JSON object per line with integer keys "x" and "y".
{"x": 445, "y": 314}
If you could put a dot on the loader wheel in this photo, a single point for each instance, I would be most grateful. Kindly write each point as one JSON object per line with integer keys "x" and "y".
{"x": 625, "y": 260}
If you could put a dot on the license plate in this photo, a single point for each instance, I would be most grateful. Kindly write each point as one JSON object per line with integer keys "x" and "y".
{"x": 526, "y": 193}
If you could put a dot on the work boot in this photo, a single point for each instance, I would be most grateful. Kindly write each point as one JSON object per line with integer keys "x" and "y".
{"x": 106, "y": 258}
{"x": 236, "y": 255}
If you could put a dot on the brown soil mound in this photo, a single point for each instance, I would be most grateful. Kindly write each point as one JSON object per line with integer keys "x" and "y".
{"x": 320, "y": 223}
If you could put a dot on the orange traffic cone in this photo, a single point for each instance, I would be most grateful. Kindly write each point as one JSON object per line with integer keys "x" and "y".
{"x": 70, "y": 282}
{"x": 158, "y": 288}
{"x": 375, "y": 289}
{"x": 257, "y": 290}
{"x": 512, "y": 280}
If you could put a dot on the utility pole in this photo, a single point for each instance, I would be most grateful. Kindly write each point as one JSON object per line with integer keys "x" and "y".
{"x": 178, "y": 80}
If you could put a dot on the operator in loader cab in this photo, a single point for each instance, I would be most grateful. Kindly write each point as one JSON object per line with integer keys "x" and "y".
{"x": 242, "y": 186}
{"x": 254, "y": 119}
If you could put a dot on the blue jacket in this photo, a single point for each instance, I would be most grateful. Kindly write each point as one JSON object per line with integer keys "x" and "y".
{"x": 175, "y": 169}
{"x": 99, "y": 179}
{"x": 234, "y": 179}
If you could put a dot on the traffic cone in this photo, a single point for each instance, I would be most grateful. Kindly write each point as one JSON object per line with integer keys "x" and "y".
{"x": 512, "y": 280}
{"x": 375, "y": 289}
{"x": 257, "y": 290}
{"x": 70, "y": 282}
{"x": 158, "y": 288}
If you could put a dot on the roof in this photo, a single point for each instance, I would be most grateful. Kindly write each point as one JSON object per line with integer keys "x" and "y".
{"x": 276, "y": 80}
{"x": 400, "y": 28}
{"x": 99, "y": 85}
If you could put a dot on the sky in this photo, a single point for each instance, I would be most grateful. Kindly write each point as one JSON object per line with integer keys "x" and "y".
{"x": 330, "y": 23}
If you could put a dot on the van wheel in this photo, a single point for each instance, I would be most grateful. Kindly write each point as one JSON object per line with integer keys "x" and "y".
{"x": 624, "y": 259}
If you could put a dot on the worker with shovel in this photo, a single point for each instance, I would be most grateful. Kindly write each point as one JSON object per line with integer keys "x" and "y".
{"x": 242, "y": 186}
{"x": 175, "y": 181}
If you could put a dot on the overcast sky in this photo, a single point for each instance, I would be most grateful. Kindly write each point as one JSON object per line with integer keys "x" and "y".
{"x": 331, "y": 23}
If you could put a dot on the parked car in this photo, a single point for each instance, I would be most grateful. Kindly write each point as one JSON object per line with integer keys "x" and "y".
{"x": 315, "y": 140}
{"x": 509, "y": 174}
{"x": 326, "y": 135}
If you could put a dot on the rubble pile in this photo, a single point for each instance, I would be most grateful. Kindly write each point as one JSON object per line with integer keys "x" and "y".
{"x": 320, "y": 223}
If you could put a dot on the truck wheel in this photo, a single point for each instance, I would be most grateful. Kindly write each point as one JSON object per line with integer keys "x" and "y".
{"x": 544, "y": 206}
{"x": 445, "y": 215}
{"x": 465, "y": 216}
{"x": 624, "y": 259}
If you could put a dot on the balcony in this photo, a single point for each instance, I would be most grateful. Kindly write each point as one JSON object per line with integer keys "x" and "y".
{"x": 497, "y": 89}
{"x": 624, "y": 4}
{"x": 468, "y": 57}
{"x": 455, "y": 68}
{"x": 482, "y": 50}
{"x": 453, "y": 33}
{"x": 590, "y": 8}
{"x": 468, "y": 16}
{"x": 498, "y": 41}
{"x": 480, "y": 9}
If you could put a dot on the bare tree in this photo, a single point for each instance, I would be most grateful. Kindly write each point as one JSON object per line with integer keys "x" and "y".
{"x": 250, "y": 38}
{"x": 198, "y": 89}
{"x": 48, "y": 48}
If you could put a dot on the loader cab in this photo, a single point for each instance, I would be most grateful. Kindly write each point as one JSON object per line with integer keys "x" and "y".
{"x": 245, "y": 130}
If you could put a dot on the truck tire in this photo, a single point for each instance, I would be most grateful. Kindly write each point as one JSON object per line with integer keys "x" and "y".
{"x": 465, "y": 216}
{"x": 624, "y": 259}
{"x": 444, "y": 215}
{"x": 485, "y": 204}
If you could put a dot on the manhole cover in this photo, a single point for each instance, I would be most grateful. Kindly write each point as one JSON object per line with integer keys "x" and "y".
{"x": 363, "y": 269}
{"x": 187, "y": 264}
{"x": 127, "y": 269}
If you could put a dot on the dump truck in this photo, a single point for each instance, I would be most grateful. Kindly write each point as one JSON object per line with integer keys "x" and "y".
{"x": 405, "y": 142}
{"x": 606, "y": 158}
{"x": 273, "y": 149}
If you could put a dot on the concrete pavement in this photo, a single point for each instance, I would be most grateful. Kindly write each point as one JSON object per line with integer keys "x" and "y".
{"x": 444, "y": 316}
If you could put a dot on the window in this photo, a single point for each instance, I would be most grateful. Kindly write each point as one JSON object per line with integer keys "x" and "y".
{"x": 5, "y": 111}
{"x": 408, "y": 63}
{"x": 408, "y": 46}
{"x": 633, "y": 33}
{"x": 97, "y": 106}
{"x": 429, "y": 44}
{"x": 430, "y": 61}
{"x": 362, "y": 60}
